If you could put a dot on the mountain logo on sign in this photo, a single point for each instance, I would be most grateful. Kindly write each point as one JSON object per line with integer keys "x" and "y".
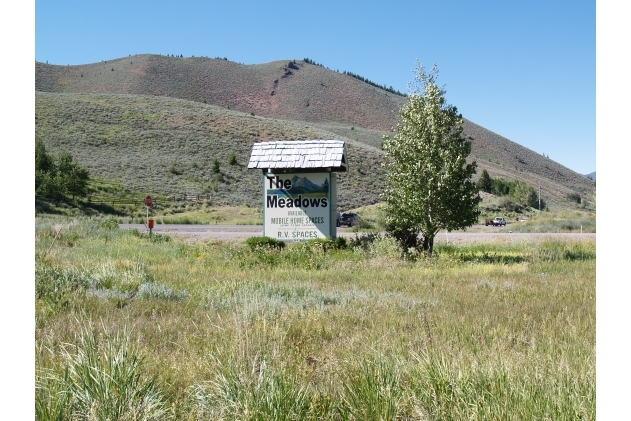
{"x": 302, "y": 185}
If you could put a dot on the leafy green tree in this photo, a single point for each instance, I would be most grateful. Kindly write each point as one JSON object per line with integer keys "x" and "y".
{"x": 74, "y": 177}
{"x": 232, "y": 159}
{"x": 520, "y": 192}
{"x": 501, "y": 187}
{"x": 533, "y": 200}
{"x": 45, "y": 172}
{"x": 56, "y": 179}
{"x": 44, "y": 162}
{"x": 429, "y": 184}
{"x": 485, "y": 183}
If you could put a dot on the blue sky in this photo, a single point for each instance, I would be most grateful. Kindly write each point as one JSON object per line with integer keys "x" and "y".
{"x": 525, "y": 70}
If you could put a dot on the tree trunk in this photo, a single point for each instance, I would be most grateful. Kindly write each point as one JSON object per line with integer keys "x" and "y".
{"x": 428, "y": 245}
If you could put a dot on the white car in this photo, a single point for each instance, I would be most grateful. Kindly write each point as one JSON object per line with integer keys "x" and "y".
{"x": 498, "y": 221}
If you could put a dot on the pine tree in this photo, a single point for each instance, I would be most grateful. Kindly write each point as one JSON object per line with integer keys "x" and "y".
{"x": 485, "y": 183}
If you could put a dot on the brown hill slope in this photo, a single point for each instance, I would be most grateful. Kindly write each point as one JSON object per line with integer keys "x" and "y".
{"x": 282, "y": 89}
{"x": 300, "y": 91}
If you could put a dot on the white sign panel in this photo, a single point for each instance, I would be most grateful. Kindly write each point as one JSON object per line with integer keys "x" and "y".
{"x": 297, "y": 206}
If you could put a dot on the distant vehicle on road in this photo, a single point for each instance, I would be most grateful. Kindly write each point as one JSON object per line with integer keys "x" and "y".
{"x": 349, "y": 219}
{"x": 497, "y": 222}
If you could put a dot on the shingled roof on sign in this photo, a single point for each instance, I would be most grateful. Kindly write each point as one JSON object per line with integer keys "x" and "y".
{"x": 299, "y": 154}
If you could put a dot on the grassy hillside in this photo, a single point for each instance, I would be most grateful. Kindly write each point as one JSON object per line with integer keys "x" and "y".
{"x": 300, "y": 101}
{"x": 504, "y": 158}
{"x": 167, "y": 146}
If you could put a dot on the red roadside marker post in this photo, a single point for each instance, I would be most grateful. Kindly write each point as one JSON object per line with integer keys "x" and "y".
{"x": 148, "y": 203}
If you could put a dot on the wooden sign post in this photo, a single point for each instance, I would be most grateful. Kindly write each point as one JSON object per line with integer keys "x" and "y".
{"x": 148, "y": 203}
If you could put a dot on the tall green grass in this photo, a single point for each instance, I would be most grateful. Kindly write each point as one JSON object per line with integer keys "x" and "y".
{"x": 100, "y": 379}
{"x": 311, "y": 331}
{"x": 450, "y": 391}
{"x": 250, "y": 392}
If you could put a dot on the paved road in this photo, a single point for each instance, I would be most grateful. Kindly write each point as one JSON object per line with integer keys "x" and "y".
{"x": 201, "y": 231}
{"x": 477, "y": 233}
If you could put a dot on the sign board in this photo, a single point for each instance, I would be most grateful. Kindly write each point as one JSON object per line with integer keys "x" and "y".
{"x": 297, "y": 206}
{"x": 148, "y": 201}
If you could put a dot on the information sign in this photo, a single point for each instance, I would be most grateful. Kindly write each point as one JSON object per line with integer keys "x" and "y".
{"x": 297, "y": 205}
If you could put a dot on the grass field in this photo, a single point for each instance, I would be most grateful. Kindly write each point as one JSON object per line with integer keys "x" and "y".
{"x": 133, "y": 327}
